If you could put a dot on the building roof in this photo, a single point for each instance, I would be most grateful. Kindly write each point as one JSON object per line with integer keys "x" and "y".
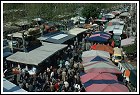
{"x": 57, "y": 38}
{"x": 37, "y": 55}
{"x": 76, "y": 31}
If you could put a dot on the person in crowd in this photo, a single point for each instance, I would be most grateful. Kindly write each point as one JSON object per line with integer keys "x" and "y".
{"x": 64, "y": 77}
{"x": 67, "y": 64}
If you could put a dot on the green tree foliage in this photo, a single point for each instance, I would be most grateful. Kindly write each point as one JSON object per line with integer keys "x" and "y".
{"x": 90, "y": 11}
{"x": 94, "y": 9}
{"x": 130, "y": 49}
{"x": 51, "y": 10}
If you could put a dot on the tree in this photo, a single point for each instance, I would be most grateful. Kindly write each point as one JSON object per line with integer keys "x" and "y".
{"x": 91, "y": 10}
{"x": 94, "y": 9}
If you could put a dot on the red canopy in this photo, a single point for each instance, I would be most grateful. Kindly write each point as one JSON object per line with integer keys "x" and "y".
{"x": 116, "y": 87}
{"x": 103, "y": 47}
{"x": 104, "y": 70}
{"x": 93, "y": 47}
{"x": 97, "y": 76}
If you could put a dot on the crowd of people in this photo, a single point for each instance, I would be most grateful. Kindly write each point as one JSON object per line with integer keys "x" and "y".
{"x": 61, "y": 78}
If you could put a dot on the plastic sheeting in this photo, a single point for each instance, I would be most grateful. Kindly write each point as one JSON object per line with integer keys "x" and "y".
{"x": 10, "y": 87}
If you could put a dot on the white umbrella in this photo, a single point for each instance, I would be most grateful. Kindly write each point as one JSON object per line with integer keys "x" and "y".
{"x": 109, "y": 15}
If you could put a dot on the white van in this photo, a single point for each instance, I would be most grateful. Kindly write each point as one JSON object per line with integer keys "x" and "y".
{"x": 118, "y": 55}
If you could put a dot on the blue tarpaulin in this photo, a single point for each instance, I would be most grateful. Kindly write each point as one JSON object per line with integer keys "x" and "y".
{"x": 97, "y": 39}
{"x": 102, "y": 33}
{"x": 10, "y": 87}
{"x": 5, "y": 54}
{"x": 82, "y": 73}
{"x": 90, "y": 82}
{"x": 98, "y": 58}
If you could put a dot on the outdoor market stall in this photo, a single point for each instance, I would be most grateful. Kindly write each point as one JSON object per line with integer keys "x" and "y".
{"x": 92, "y": 53}
{"x": 103, "y": 48}
{"x": 10, "y": 87}
{"x": 57, "y": 38}
{"x": 38, "y": 55}
{"x": 77, "y": 32}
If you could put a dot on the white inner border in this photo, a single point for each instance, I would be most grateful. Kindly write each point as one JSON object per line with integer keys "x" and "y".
{"x": 71, "y": 2}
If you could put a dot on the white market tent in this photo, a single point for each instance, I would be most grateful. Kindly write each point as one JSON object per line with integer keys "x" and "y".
{"x": 38, "y": 55}
{"x": 118, "y": 12}
{"x": 127, "y": 41}
{"x": 117, "y": 31}
{"x": 109, "y": 15}
{"x": 117, "y": 21}
{"x": 76, "y": 31}
{"x": 101, "y": 20}
{"x": 18, "y": 34}
{"x": 10, "y": 87}
{"x": 114, "y": 20}
{"x": 121, "y": 27}
{"x": 91, "y": 53}
{"x": 109, "y": 28}
{"x": 78, "y": 18}
{"x": 125, "y": 14}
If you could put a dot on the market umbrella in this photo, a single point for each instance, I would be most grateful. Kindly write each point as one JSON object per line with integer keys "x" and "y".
{"x": 93, "y": 46}
{"x": 97, "y": 76}
{"x": 109, "y": 16}
{"x": 92, "y": 53}
{"x": 104, "y": 33}
{"x": 100, "y": 47}
{"x": 104, "y": 70}
{"x": 110, "y": 23}
{"x": 116, "y": 12}
{"x": 104, "y": 87}
{"x": 103, "y": 48}
{"x": 108, "y": 49}
{"x": 99, "y": 64}
{"x": 98, "y": 39}
{"x": 98, "y": 58}
{"x": 95, "y": 59}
